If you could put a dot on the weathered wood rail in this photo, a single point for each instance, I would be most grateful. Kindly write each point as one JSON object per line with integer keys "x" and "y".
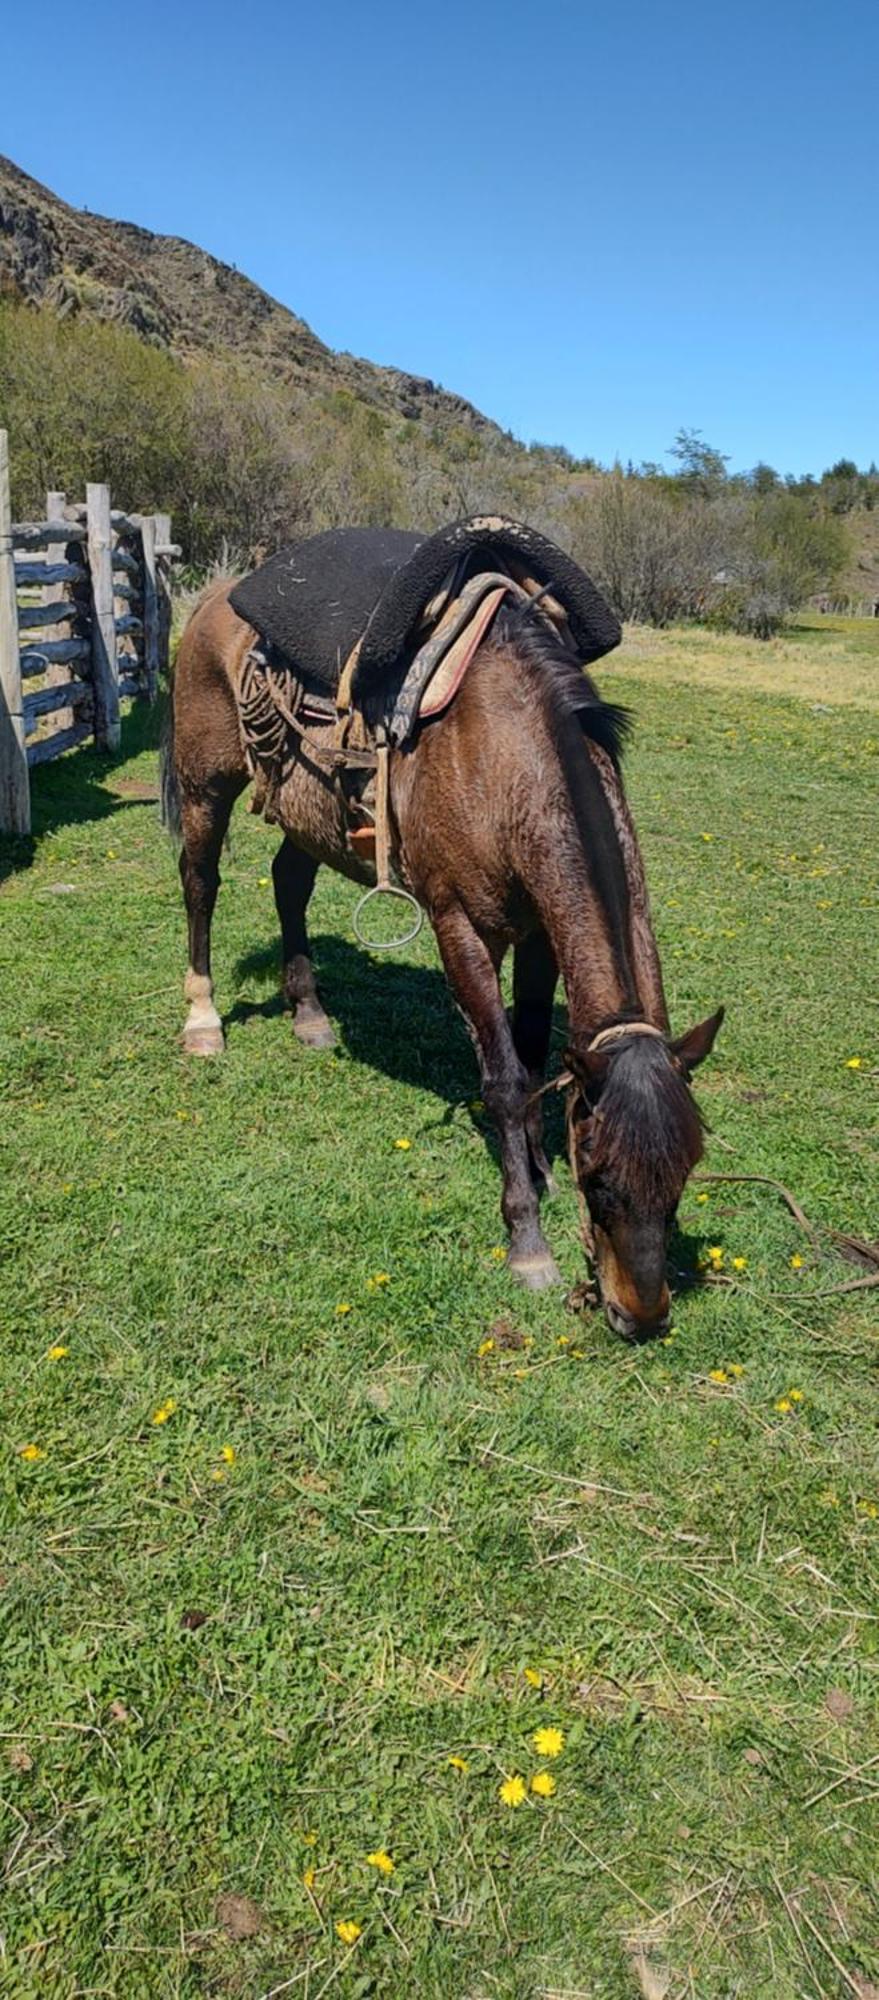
{"x": 85, "y": 623}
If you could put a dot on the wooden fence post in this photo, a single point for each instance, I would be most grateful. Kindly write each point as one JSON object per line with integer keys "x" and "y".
{"x": 105, "y": 666}
{"x": 64, "y": 718}
{"x": 163, "y": 590}
{"x": 150, "y": 605}
{"x": 15, "y": 801}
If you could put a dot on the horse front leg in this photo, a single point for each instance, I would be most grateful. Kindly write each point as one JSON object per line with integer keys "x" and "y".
{"x": 293, "y": 874}
{"x": 472, "y": 975}
{"x": 535, "y": 976}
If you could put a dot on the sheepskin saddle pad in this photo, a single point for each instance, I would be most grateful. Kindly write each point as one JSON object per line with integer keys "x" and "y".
{"x": 317, "y": 598}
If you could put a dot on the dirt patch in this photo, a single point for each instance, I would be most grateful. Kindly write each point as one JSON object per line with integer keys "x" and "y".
{"x": 239, "y": 1917}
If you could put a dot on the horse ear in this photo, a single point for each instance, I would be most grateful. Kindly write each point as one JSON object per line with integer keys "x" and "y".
{"x": 588, "y": 1069}
{"x": 692, "y": 1048}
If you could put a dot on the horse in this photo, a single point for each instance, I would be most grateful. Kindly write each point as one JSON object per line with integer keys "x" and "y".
{"x": 510, "y": 826}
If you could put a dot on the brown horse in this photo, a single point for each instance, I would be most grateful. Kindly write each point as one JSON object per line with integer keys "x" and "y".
{"x": 511, "y": 828}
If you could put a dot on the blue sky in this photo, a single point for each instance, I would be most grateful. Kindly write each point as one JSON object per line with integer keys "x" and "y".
{"x": 599, "y": 223}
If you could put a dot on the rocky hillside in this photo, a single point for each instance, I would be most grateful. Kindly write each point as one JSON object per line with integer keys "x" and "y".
{"x": 176, "y": 296}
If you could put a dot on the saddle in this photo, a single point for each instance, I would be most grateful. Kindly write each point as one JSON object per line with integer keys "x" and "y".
{"x": 372, "y": 631}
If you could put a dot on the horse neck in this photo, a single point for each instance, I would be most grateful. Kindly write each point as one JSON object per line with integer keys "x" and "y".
{"x": 593, "y": 896}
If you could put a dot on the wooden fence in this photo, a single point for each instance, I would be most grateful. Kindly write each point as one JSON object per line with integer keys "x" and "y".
{"x": 85, "y": 621}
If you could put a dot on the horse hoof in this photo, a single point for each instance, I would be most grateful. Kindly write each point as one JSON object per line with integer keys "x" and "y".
{"x": 314, "y": 1032}
{"x": 203, "y": 1041}
{"x": 535, "y": 1273}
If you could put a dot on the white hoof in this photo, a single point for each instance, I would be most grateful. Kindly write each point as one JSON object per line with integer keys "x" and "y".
{"x": 535, "y": 1273}
{"x": 203, "y": 1039}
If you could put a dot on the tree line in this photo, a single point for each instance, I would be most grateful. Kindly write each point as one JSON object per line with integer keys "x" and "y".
{"x": 245, "y": 462}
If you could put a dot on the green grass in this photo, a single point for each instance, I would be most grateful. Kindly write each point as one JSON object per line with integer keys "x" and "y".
{"x": 407, "y": 1526}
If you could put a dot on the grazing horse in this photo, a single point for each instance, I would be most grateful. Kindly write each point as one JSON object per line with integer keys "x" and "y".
{"x": 510, "y": 826}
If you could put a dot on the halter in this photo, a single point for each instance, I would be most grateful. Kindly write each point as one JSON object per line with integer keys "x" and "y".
{"x": 619, "y": 1029}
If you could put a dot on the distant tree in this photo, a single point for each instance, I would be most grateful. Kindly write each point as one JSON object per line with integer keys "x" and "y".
{"x": 764, "y": 478}
{"x": 702, "y": 467}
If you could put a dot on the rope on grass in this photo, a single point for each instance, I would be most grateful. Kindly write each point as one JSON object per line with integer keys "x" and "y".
{"x": 869, "y": 1252}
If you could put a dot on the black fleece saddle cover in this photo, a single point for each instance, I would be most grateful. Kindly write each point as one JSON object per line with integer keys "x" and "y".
{"x": 314, "y": 599}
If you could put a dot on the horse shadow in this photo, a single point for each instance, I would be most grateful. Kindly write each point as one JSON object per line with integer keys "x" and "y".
{"x": 399, "y": 1019}
{"x": 81, "y": 787}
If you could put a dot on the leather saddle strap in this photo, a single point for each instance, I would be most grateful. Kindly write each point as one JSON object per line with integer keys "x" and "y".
{"x": 456, "y": 616}
{"x": 382, "y": 813}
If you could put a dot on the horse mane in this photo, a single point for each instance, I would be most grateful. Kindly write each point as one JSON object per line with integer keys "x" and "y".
{"x": 566, "y": 689}
{"x": 648, "y": 1132}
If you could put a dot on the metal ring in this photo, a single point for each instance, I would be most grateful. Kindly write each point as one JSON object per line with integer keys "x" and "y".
{"x": 387, "y": 944}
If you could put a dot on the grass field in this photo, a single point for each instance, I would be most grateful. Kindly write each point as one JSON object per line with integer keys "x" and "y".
{"x": 292, "y": 1572}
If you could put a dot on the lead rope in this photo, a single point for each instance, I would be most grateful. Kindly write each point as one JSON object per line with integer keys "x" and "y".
{"x": 384, "y": 886}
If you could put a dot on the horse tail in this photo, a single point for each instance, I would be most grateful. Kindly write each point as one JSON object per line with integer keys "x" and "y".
{"x": 169, "y": 783}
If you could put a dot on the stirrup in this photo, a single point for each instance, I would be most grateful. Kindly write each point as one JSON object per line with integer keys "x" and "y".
{"x": 387, "y": 944}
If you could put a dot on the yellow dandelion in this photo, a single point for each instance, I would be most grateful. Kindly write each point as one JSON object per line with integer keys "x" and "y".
{"x": 578, "y": 1353}
{"x": 519, "y": 1374}
{"x": 348, "y": 1931}
{"x": 459, "y": 1764}
{"x": 666, "y": 1340}
{"x": 715, "y": 1252}
{"x": 344, "y": 1306}
{"x": 382, "y": 1861}
{"x": 262, "y": 882}
{"x": 717, "y": 1375}
{"x": 310, "y": 1839}
{"x": 31, "y": 1452}
{"x": 403, "y": 1145}
{"x": 869, "y": 1508}
{"x": 707, "y": 836}
{"x": 164, "y": 1411}
{"x": 485, "y": 1347}
{"x": 701, "y": 1197}
{"x": 796, "y": 1395}
{"x": 378, "y": 1278}
{"x": 548, "y": 1742}
{"x": 563, "y": 1340}
{"x": 854, "y": 1062}
{"x": 58, "y": 1352}
{"x": 308, "y": 1879}
{"x": 532, "y": 1676}
{"x": 498, "y": 1252}
{"x": 740, "y": 1263}
{"x": 219, "y": 1474}
{"x": 543, "y": 1783}
{"x": 512, "y": 1791}
{"x": 797, "y": 1262}
{"x": 227, "y": 1452}
{"x": 783, "y": 1406}
{"x": 735, "y": 1368}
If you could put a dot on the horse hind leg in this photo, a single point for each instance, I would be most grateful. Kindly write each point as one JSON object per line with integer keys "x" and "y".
{"x": 204, "y": 820}
{"x": 293, "y": 874}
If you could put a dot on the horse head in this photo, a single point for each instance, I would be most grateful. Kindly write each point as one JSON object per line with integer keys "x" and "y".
{"x": 634, "y": 1135}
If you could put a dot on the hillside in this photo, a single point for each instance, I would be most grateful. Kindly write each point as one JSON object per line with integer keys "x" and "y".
{"x": 178, "y": 297}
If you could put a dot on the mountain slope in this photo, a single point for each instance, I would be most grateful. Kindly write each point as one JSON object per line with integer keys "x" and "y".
{"x": 177, "y": 296}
